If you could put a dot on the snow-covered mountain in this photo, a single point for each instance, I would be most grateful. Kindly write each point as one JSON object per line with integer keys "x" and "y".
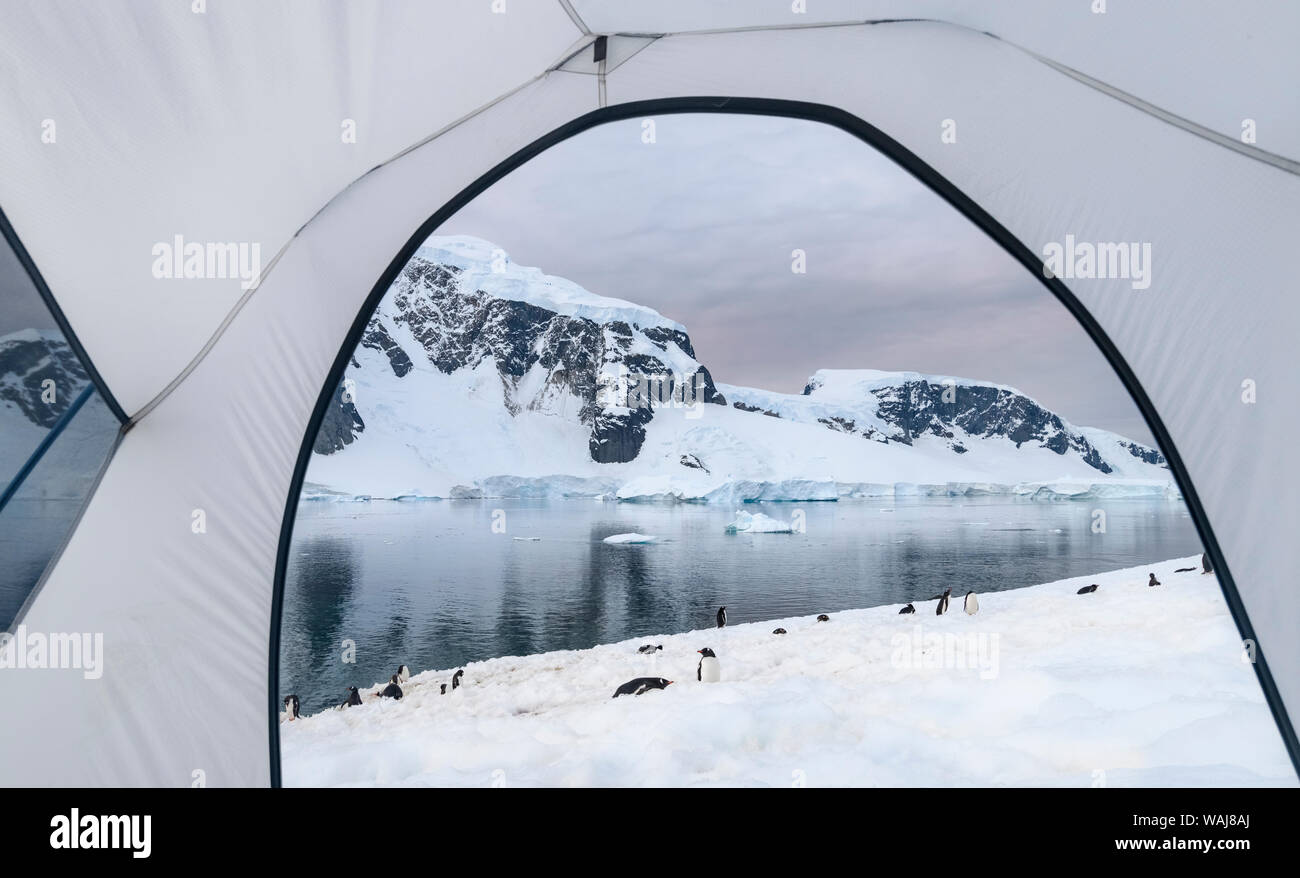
{"x": 29, "y": 404}
{"x": 477, "y": 377}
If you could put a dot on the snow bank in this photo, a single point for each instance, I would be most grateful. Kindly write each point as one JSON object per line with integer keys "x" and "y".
{"x": 1129, "y": 686}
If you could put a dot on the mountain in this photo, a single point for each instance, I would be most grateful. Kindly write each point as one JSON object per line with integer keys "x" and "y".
{"x": 40, "y": 377}
{"x": 477, "y": 377}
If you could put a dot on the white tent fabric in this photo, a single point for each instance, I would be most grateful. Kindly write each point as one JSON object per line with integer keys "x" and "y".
{"x": 224, "y": 125}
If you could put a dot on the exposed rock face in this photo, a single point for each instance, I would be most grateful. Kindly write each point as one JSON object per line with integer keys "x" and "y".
{"x": 28, "y": 360}
{"x": 916, "y": 408}
{"x": 459, "y": 328}
{"x": 342, "y": 424}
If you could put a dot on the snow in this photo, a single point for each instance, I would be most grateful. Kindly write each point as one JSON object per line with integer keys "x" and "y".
{"x": 1129, "y": 686}
{"x": 487, "y": 268}
{"x": 758, "y": 523}
{"x": 631, "y": 539}
{"x": 411, "y": 448}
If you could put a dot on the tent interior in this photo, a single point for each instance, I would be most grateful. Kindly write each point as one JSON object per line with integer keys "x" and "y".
{"x": 323, "y": 142}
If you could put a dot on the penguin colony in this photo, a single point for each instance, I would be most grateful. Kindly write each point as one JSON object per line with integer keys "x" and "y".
{"x": 709, "y": 669}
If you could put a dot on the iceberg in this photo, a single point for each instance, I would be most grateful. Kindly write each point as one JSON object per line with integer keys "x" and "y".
{"x": 758, "y": 523}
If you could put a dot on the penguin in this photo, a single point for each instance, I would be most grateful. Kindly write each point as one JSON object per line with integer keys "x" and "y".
{"x": 1087, "y": 589}
{"x": 1152, "y": 581}
{"x": 291, "y": 707}
{"x": 972, "y": 604}
{"x": 353, "y": 699}
{"x": 907, "y": 609}
{"x": 392, "y": 690}
{"x": 455, "y": 678}
{"x": 943, "y": 603}
{"x": 403, "y": 673}
{"x": 642, "y": 684}
{"x": 709, "y": 671}
{"x": 1184, "y": 569}
{"x": 823, "y": 618}
{"x": 1206, "y": 567}
{"x": 443, "y": 689}
{"x": 778, "y": 630}
{"x": 649, "y": 648}
{"x": 722, "y": 617}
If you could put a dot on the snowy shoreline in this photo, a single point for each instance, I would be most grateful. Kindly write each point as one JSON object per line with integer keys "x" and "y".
{"x": 758, "y": 491}
{"x": 1129, "y": 686}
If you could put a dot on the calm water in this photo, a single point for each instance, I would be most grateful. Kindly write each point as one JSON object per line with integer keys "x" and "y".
{"x": 432, "y": 585}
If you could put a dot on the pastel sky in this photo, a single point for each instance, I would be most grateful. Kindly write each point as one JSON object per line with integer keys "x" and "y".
{"x": 701, "y": 224}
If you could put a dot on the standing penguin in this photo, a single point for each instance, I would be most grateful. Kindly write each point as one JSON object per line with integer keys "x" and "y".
{"x": 403, "y": 673}
{"x": 455, "y": 678}
{"x": 972, "y": 604}
{"x": 943, "y": 603}
{"x": 722, "y": 617}
{"x": 392, "y": 690}
{"x": 353, "y": 699}
{"x": 1152, "y": 581}
{"x": 291, "y": 707}
{"x": 709, "y": 670}
{"x": 907, "y": 609}
{"x": 1206, "y": 567}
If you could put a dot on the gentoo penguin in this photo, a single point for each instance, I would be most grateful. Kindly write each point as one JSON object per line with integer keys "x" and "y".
{"x": 392, "y": 690}
{"x": 1087, "y": 589}
{"x": 442, "y": 689}
{"x": 907, "y": 609}
{"x": 972, "y": 604}
{"x": 649, "y": 648}
{"x": 709, "y": 670}
{"x": 455, "y": 678}
{"x": 722, "y": 617}
{"x": 642, "y": 684}
{"x": 353, "y": 699}
{"x": 943, "y": 603}
{"x": 403, "y": 673}
{"x": 823, "y": 618}
{"x": 291, "y": 707}
{"x": 1206, "y": 567}
{"x": 778, "y": 630}
{"x": 1184, "y": 569}
{"x": 1152, "y": 581}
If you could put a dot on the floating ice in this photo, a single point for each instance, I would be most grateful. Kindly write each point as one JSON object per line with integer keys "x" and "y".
{"x": 758, "y": 523}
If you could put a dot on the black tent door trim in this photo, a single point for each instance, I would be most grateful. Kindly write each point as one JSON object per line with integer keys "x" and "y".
{"x": 24, "y": 258}
{"x": 901, "y": 156}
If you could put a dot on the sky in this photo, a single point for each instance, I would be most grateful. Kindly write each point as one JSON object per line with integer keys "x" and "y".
{"x": 700, "y": 225}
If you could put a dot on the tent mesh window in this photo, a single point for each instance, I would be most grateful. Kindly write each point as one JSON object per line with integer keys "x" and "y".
{"x": 55, "y": 434}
